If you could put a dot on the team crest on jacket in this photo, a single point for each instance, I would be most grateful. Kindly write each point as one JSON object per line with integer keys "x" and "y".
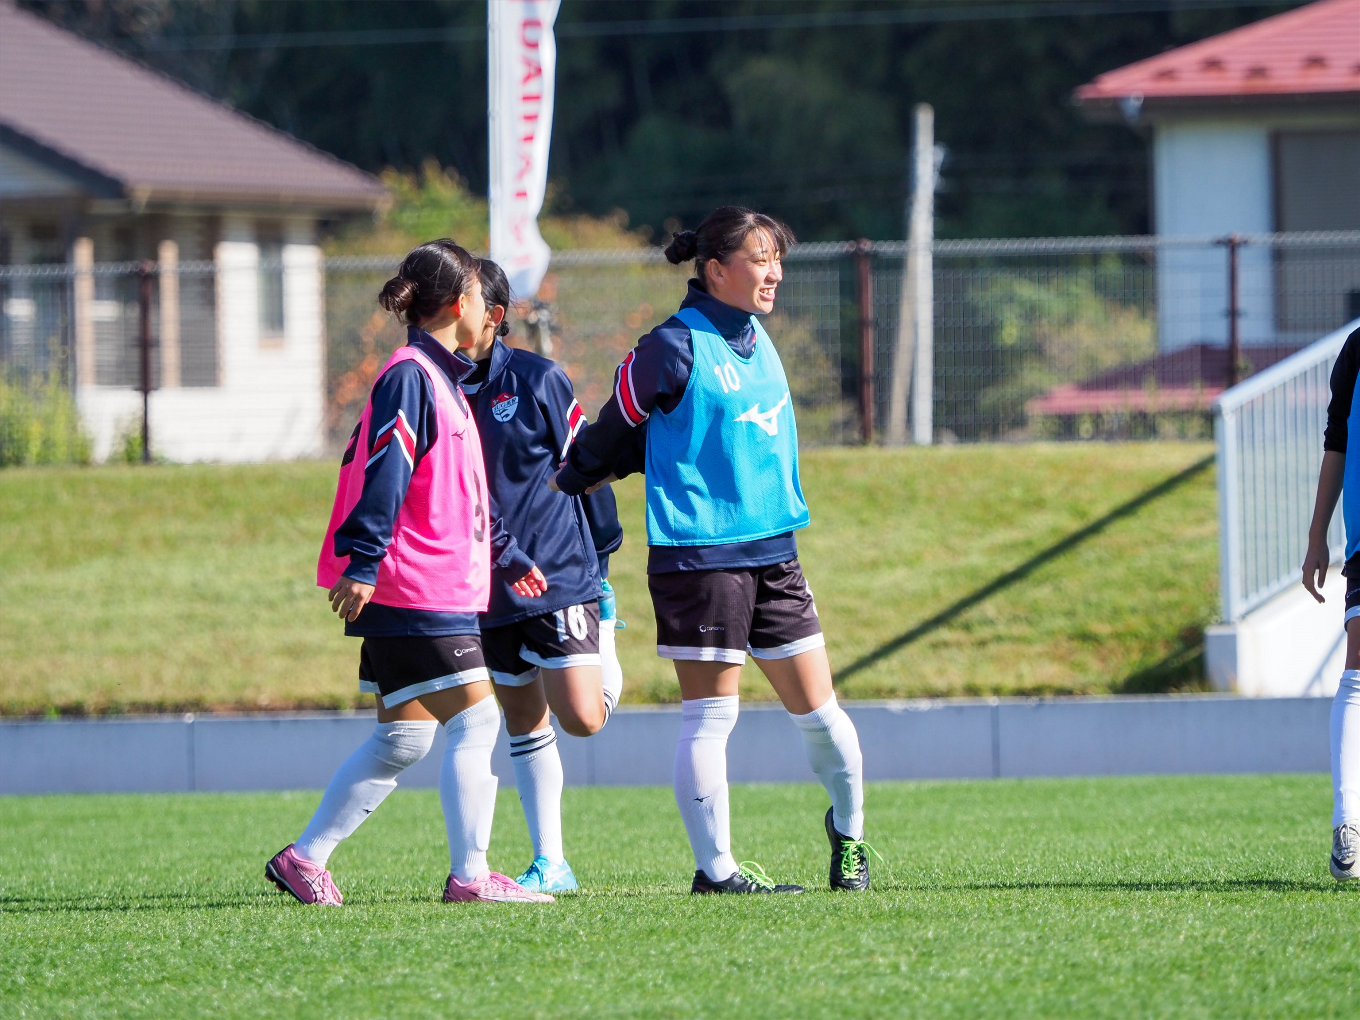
{"x": 503, "y": 407}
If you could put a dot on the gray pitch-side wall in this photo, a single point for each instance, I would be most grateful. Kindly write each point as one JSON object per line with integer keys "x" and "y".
{"x": 901, "y": 740}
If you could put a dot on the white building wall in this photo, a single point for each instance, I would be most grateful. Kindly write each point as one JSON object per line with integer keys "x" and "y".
{"x": 269, "y": 402}
{"x": 1212, "y": 178}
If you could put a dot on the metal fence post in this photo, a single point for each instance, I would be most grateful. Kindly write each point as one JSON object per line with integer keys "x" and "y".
{"x": 1229, "y": 524}
{"x": 864, "y": 297}
{"x": 1233, "y": 243}
{"x": 144, "y": 273}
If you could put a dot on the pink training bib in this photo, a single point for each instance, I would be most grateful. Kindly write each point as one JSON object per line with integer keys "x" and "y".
{"x": 439, "y": 558}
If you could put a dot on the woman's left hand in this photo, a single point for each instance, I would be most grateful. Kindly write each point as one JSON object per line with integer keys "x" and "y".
{"x": 531, "y": 585}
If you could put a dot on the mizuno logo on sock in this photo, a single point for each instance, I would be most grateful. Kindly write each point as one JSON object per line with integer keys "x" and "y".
{"x": 766, "y": 421}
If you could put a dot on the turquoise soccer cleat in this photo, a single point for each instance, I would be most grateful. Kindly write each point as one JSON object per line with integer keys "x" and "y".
{"x": 545, "y": 877}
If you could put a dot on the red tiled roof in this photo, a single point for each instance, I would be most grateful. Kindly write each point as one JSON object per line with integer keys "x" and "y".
{"x": 153, "y": 137}
{"x": 1308, "y": 51}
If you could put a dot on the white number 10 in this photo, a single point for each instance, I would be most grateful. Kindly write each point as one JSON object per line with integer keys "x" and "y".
{"x": 727, "y": 375}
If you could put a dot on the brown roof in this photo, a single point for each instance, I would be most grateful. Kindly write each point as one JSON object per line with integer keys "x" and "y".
{"x": 150, "y": 136}
{"x": 1312, "y": 50}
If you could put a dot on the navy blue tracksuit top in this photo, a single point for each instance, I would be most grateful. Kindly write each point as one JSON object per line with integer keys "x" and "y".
{"x": 528, "y": 417}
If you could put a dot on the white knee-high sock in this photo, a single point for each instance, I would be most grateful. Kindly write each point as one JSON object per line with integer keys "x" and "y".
{"x": 538, "y": 778}
{"x": 833, "y": 752}
{"x": 467, "y": 787}
{"x": 362, "y": 783}
{"x": 611, "y": 673}
{"x": 701, "y": 782}
{"x": 1346, "y": 750}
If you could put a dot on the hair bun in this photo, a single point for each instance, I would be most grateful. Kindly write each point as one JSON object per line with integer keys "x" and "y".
{"x": 397, "y": 294}
{"x": 683, "y": 247}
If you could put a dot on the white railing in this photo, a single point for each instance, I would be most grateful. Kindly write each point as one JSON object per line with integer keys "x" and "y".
{"x": 1269, "y": 434}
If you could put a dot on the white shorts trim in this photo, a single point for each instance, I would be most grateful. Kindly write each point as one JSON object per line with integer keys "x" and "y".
{"x": 515, "y": 679}
{"x": 439, "y": 683}
{"x": 559, "y": 661}
{"x": 791, "y": 649}
{"x": 368, "y": 687}
{"x": 690, "y": 653}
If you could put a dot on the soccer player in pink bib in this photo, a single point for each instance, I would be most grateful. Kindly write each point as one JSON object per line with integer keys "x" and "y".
{"x": 407, "y": 559}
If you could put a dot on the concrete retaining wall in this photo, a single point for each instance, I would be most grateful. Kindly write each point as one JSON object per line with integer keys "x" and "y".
{"x": 901, "y": 740}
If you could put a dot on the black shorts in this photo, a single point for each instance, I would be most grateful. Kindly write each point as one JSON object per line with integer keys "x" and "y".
{"x": 1351, "y": 571}
{"x": 568, "y": 637}
{"x": 720, "y": 615}
{"x": 402, "y": 668}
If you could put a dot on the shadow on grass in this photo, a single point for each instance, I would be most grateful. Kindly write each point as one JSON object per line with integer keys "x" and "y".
{"x": 1218, "y": 885}
{"x": 189, "y": 902}
{"x": 1039, "y": 559}
{"x": 1182, "y": 670}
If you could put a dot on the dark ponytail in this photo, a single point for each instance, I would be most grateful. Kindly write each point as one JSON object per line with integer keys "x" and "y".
{"x": 721, "y": 234}
{"x": 432, "y": 277}
{"x": 495, "y": 291}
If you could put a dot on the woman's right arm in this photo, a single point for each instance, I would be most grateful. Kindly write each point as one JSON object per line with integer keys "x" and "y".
{"x": 1319, "y": 554}
{"x": 1330, "y": 478}
{"x": 653, "y": 376}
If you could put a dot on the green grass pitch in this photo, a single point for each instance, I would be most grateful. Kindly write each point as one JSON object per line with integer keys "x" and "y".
{"x": 1177, "y": 897}
{"x": 1044, "y": 569}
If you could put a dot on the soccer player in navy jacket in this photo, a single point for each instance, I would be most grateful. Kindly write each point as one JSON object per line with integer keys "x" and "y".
{"x": 555, "y": 650}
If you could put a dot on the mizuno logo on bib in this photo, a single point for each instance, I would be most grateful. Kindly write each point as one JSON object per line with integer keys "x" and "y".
{"x": 722, "y": 466}
{"x": 767, "y": 420}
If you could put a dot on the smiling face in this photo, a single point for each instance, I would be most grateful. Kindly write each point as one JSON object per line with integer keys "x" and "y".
{"x": 749, "y": 279}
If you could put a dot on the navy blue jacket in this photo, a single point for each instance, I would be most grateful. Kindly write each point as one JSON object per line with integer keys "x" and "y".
{"x": 653, "y": 377}
{"x": 528, "y": 417}
{"x": 367, "y": 532}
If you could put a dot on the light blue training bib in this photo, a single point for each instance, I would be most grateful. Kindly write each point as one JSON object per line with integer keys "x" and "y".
{"x": 1350, "y": 485}
{"x": 722, "y": 466}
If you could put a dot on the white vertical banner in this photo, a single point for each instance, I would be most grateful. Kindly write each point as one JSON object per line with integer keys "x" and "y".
{"x": 521, "y": 61}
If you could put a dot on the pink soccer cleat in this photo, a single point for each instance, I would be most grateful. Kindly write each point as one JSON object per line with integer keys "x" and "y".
{"x": 492, "y": 887}
{"x": 305, "y": 880}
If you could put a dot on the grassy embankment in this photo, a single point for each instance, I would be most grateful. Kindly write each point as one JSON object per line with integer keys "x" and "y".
{"x": 1201, "y": 896}
{"x": 965, "y": 570}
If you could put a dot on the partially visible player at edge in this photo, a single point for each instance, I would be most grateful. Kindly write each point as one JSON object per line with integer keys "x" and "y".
{"x": 558, "y": 650}
{"x": 1340, "y": 477}
{"x": 408, "y": 556}
{"x": 723, "y": 502}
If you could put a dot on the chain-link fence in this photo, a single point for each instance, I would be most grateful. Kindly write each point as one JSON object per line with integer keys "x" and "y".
{"x": 1078, "y": 338}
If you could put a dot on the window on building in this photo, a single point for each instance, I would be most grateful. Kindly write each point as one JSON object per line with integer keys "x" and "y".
{"x": 271, "y": 288}
{"x": 1319, "y": 287}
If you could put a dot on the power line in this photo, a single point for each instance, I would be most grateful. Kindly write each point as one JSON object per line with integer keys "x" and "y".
{"x": 924, "y": 15}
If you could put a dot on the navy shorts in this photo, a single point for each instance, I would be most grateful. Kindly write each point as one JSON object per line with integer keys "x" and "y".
{"x": 720, "y": 615}
{"x": 1351, "y": 571}
{"x": 568, "y": 637}
{"x": 401, "y": 668}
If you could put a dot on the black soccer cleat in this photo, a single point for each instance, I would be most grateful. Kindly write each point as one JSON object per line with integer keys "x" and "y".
{"x": 849, "y": 859}
{"x": 750, "y": 878}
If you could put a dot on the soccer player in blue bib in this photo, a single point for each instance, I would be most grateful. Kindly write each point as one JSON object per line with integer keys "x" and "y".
{"x": 1340, "y": 479}
{"x": 708, "y": 392}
